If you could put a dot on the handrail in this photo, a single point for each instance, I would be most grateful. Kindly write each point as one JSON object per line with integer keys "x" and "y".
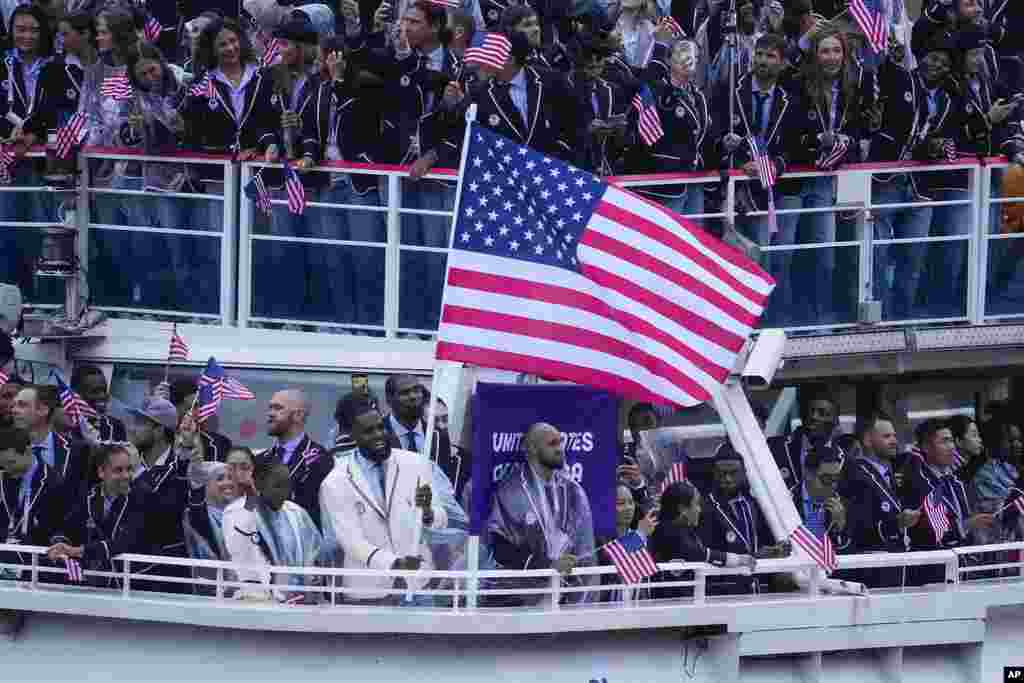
{"x": 239, "y": 276}
{"x": 701, "y": 570}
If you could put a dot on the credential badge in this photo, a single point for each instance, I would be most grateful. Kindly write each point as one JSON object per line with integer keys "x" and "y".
{"x": 404, "y": 81}
{"x": 680, "y": 112}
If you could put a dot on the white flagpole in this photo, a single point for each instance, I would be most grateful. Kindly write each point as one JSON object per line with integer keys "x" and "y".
{"x": 428, "y": 440}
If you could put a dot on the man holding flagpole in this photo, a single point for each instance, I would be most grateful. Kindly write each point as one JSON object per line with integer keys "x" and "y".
{"x": 378, "y": 506}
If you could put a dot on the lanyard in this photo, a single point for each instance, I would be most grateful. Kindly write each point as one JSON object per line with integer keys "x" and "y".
{"x": 728, "y": 520}
{"x": 12, "y": 524}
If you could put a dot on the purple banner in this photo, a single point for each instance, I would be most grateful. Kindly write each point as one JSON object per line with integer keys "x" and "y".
{"x": 588, "y": 419}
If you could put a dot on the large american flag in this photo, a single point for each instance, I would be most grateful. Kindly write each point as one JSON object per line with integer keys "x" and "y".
{"x": 648, "y": 119}
{"x": 117, "y": 87}
{"x": 488, "y": 49}
{"x": 71, "y": 134}
{"x": 870, "y": 17}
{"x": 820, "y": 550}
{"x": 938, "y": 516}
{"x": 178, "y": 349}
{"x": 75, "y": 407}
{"x": 631, "y": 558}
{"x": 555, "y": 273}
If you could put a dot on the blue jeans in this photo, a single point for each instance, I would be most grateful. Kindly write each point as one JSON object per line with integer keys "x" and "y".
{"x": 689, "y": 203}
{"x": 898, "y": 268}
{"x": 949, "y": 259}
{"x": 421, "y": 280}
{"x": 351, "y": 278}
{"x": 816, "y": 282}
{"x": 778, "y": 263}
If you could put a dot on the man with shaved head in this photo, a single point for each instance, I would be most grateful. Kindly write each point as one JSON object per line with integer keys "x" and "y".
{"x": 540, "y": 516}
{"x": 307, "y": 461}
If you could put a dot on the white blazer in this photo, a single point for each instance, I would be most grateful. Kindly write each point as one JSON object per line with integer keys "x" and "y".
{"x": 374, "y": 533}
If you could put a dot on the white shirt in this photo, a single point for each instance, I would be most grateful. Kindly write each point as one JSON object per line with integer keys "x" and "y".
{"x": 402, "y": 433}
{"x": 237, "y": 94}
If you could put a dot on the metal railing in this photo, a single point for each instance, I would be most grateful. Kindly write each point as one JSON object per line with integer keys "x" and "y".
{"x": 386, "y": 280}
{"x": 462, "y": 591}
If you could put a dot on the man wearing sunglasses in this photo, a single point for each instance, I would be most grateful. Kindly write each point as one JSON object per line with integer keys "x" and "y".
{"x": 816, "y": 499}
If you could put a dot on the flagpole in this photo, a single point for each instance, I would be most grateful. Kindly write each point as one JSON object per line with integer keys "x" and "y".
{"x": 167, "y": 365}
{"x": 428, "y": 440}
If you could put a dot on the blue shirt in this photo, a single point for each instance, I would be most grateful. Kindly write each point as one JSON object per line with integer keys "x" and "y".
{"x": 517, "y": 91}
{"x": 442, "y": 492}
{"x": 289, "y": 448}
{"x": 48, "y": 454}
{"x": 402, "y": 433}
{"x": 764, "y": 115}
{"x": 814, "y": 514}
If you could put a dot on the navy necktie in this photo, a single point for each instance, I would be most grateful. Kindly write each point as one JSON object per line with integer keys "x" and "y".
{"x": 760, "y": 99}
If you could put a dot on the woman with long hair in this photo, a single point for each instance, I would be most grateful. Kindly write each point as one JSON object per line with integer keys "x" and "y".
{"x": 22, "y": 122}
{"x": 834, "y": 92}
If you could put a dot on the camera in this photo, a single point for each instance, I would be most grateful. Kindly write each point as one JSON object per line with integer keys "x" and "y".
{"x": 765, "y": 359}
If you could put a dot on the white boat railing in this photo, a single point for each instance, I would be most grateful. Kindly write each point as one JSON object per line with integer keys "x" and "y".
{"x": 461, "y": 591}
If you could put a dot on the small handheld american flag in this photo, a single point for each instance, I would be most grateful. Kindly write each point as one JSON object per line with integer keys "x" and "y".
{"x": 152, "y": 30}
{"x": 7, "y": 159}
{"x": 4, "y": 378}
{"x": 236, "y": 390}
{"x": 676, "y": 473}
{"x": 202, "y": 88}
{"x": 75, "y": 407}
{"x": 272, "y": 54}
{"x": 828, "y": 159}
{"x": 765, "y": 166}
{"x": 673, "y": 26}
{"x": 870, "y": 17}
{"x": 256, "y": 190}
{"x": 488, "y": 49}
{"x": 648, "y": 120}
{"x": 296, "y": 192}
{"x": 631, "y": 558}
{"x": 178, "y": 348}
{"x": 71, "y": 134}
{"x": 447, "y": 4}
{"x": 766, "y": 174}
{"x": 938, "y": 516}
{"x": 214, "y": 387}
{"x": 949, "y": 152}
{"x": 1015, "y": 503}
{"x": 819, "y": 549}
{"x": 117, "y": 87}
{"x": 74, "y": 570}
